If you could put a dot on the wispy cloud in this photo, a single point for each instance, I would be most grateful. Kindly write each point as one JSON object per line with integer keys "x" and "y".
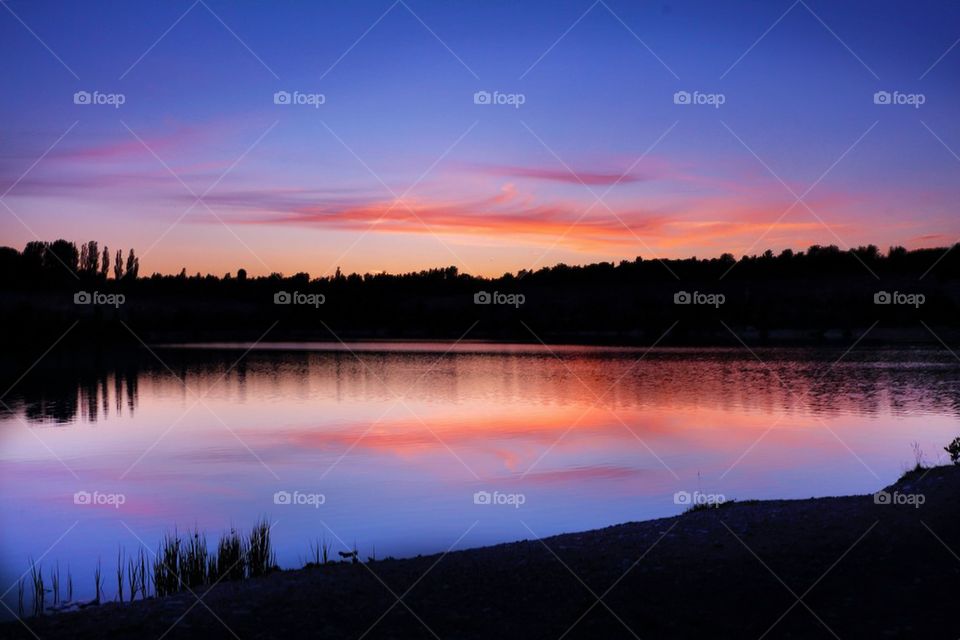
{"x": 645, "y": 171}
{"x": 513, "y": 216}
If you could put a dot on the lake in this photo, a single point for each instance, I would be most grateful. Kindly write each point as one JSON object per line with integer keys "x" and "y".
{"x": 409, "y": 448}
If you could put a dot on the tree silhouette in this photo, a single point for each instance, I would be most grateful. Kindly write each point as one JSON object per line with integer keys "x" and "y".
{"x": 89, "y": 258}
{"x": 133, "y": 265}
{"x": 105, "y": 263}
{"x": 65, "y": 254}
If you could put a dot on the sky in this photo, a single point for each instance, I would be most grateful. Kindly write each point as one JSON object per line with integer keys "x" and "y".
{"x": 489, "y": 135}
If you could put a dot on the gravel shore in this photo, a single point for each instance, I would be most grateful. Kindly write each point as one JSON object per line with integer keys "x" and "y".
{"x": 842, "y": 567}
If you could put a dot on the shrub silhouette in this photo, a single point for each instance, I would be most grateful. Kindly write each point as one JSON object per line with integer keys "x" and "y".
{"x": 954, "y": 450}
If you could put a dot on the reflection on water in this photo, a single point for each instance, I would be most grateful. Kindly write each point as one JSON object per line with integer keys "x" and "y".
{"x": 398, "y": 438}
{"x": 65, "y": 398}
{"x": 895, "y": 382}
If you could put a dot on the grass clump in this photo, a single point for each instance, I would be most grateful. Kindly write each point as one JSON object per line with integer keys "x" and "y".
{"x": 230, "y": 556}
{"x": 166, "y": 566}
{"x": 261, "y": 558}
{"x": 181, "y": 562}
{"x": 318, "y": 553}
{"x": 193, "y": 560}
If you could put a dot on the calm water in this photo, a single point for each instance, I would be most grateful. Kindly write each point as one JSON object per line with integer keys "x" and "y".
{"x": 398, "y": 439}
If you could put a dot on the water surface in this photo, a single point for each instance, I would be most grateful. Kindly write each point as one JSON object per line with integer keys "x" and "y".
{"x": 398, "y": 438}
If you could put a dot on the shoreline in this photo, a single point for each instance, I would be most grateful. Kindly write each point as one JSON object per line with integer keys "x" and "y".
{"x": 875, "y": 339}
{"x": 872, "y": 570}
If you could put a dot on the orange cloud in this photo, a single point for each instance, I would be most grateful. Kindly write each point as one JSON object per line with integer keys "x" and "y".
{"x": 515, "y": 216}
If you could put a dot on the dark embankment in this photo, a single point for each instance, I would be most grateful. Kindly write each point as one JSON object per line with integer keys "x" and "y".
{"x": 859, "y": 570}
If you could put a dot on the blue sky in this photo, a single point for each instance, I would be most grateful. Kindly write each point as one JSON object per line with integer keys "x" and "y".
{"x": 400, "y": 169}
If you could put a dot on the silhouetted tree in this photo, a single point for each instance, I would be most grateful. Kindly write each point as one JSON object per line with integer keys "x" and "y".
{"x": 118, "y": 265}
{"x": 89, "y": 258}
{"x": 105, "y": 263}
{"x": 65, "y": 253}
{"x": 34, "y": 255}
{"x": 133, "y": 265}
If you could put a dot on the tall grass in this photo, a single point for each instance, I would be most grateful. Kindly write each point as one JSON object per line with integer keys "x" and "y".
{"x": 144, "y": 576}
{"x": 166, "y": 574}
{"x": 186, "y": 562}
{"x": 39, "y": 593}
{"x": 318, "y": 552}
{"x": 230, "y": 558}
{"x": 98, "y": 582}
{"x": 193, "y": 560}
{"x": 137, "y": 576}
{"x": 120, "y": 575}
{"x": 55, "y": 583}
{"x": 260, "y": 556}
{"x": 181, "y": 562}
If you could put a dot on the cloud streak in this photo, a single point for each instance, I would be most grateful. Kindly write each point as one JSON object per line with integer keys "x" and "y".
{"x": 649, "y": 171}
{"x": 514, "y": 217}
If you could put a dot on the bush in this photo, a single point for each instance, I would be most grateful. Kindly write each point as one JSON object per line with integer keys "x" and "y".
{"x": 954, "y": 450}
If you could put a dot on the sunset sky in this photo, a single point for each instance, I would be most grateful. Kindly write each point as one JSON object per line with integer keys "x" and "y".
{"x": 401, "y": 169}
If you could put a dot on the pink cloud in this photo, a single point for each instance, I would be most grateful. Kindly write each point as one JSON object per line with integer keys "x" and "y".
{"x": 127, "y": 146}
{"x": 646, "y": 170}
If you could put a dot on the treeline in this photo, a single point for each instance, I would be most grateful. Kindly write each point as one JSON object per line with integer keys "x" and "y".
{"x": 49, "y": 264}
{"x": 43, "y": 264}
{"x": 821, "y": 293}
